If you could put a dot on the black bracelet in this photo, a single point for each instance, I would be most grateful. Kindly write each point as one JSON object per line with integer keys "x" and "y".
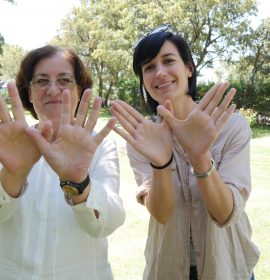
{"x": 163, "y": 166}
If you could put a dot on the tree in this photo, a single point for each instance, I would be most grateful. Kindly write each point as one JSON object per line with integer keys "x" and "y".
{"x": 10, "y": 61}
{"x": 91, "y": 30}
{"x": 2, "y": 41}
{"x": 103, "y": 32}
{"x": 251, "y": 71}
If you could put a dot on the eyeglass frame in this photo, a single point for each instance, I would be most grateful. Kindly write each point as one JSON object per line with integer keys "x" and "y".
{"x": 162, "y": 28}
{"x": 72, "y": 83}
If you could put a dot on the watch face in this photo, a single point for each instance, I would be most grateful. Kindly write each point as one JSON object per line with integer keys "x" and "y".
{"x": 70, "y": 190}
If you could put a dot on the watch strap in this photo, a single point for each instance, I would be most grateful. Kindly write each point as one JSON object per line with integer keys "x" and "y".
{"x": 73, "y": 188}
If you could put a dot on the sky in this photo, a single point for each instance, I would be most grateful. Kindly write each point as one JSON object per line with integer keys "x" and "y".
{"x": 33, "y": 23}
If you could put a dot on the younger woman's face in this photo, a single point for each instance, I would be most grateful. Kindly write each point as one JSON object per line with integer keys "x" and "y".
{"x": 165, "y": 77}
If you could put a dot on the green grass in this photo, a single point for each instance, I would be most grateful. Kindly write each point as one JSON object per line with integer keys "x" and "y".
{"x": 259, "y": 131}
{"x": 258, "y": 207}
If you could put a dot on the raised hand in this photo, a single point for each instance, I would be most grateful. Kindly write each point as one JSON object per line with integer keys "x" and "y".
{"x": 17, "y": 152}
{"x": 71, "y": 152}
{"x": 153, "y": 140}
{"x": 200, "y": 129}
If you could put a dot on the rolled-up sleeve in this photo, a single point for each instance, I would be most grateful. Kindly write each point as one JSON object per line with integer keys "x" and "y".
{"x": 104, "y": 194}
{"x": 142, "y": 172}
{"x": 234, "y": 166}
{"x": 8, "y": 205}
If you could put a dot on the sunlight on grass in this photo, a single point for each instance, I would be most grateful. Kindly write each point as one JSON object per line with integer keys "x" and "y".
{"x": 258, "y": 207}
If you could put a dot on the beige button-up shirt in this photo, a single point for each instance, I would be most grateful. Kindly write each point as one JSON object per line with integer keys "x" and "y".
{"x": 222, "y": 252}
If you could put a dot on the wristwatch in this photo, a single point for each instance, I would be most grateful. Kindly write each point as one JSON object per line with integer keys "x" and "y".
{"x": 72, "y": 188}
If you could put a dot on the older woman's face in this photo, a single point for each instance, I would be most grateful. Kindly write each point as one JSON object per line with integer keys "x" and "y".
{"x": 50, "y": 78}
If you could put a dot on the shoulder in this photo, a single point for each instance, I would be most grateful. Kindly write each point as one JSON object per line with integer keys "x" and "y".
{"x": 238, "y": 126}
{"x": 236, "y": 132}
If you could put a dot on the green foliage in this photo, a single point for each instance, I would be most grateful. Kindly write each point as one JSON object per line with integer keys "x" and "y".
{"x": 128, "y": 90}
{"x": 105, "y": 43}
{"x": 10, "y": 61}
{"x": 203, "y": 88}
{"x": 250, "y": 73}
{"x": 259, "y": 131}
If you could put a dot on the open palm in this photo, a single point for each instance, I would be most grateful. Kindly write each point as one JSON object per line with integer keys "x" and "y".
{"x": 71, "y": 152}
{"x": 199, "y": 130}
{"x": 17, "y": 152}
{"x": 153, "y": 140}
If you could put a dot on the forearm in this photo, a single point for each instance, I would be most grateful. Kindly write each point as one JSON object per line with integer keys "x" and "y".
{"x": 160, "y": 199}
{"x": 12, "y": 183}
{"x": 216, "y": 194}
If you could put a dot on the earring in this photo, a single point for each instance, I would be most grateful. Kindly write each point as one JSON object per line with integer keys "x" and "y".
{"x": 144, "y": 92}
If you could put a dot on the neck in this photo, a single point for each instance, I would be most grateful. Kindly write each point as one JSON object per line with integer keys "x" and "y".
{"x": 183, "y": 107}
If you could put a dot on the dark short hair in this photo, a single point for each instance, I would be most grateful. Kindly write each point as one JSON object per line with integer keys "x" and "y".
{"x": 149, "y": 47}
{"x": 29, "y": 62}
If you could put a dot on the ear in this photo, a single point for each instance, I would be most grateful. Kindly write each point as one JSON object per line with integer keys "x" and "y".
{"x": 190, "y": 69}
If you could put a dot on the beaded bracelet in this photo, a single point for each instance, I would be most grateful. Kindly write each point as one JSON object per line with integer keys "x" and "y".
{"x": 204, "y": 174}
{"x": 163, "y": 166}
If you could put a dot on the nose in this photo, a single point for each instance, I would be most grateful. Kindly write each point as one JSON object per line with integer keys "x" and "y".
{"x": 161, "y": 72}
{"x": 53, "y": 88}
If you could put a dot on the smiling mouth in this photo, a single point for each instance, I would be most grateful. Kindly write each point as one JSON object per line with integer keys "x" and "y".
{"x": 164, "y": 85}
{"x": 54, "y": 102}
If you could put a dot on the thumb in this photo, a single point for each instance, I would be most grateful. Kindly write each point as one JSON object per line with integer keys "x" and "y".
{"x": 46, "y": 130}
{"x": 37, "y": 138}
{"x": 168, "y": 106}
{"x": 166, "y": 112}
{"x": 105, "y": 131}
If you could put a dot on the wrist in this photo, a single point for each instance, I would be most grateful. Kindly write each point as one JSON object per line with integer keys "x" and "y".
{"x": 12, "y": 183}
{"x": 200, "y": 163}
{"x": 167, "y": 164}
{"x": 73, "y": 188}
{"x": 208, "y": 172}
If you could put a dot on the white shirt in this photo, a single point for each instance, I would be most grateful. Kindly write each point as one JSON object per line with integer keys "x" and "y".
{"x": 43, "y": 237}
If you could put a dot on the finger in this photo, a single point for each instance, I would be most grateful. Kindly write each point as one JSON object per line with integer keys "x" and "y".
{"x": 132, "y": 115}
{"x": 92, "y": 120}
{"x": 66, "y": 108}
{"x": 168, "y": 106}
{"x": 83, "y": 108}
{"x": 124, "y": 135}
{"x": 46, "y": 130}
{"x": 98, "y": 138}
{"x": 225, "y": 117}
{"x": 38, "y": 139}
{"x": 208, "y": 96}
{"x": 224, "y": 105}
{"x": 214, "y": 102}
{"x": 123, "y": 121}
{"x": 167, "y": 115}
{"x": 15, "y": 101}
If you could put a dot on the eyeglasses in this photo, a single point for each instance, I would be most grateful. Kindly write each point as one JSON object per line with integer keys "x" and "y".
{"x": 161, "y": 28}
{"x": 62, "y": 83}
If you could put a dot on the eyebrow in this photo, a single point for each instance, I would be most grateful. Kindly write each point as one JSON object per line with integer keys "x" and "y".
{"x": 168, "y": 54}
{"x": 59, "y": 74}
{"x": 163, "y": 56}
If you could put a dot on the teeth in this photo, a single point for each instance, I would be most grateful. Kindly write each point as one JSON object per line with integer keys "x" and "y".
{"x": 164, "y": 85}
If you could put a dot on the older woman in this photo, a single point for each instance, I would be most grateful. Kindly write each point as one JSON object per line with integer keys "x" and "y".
{"x": 59, "y": 181}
